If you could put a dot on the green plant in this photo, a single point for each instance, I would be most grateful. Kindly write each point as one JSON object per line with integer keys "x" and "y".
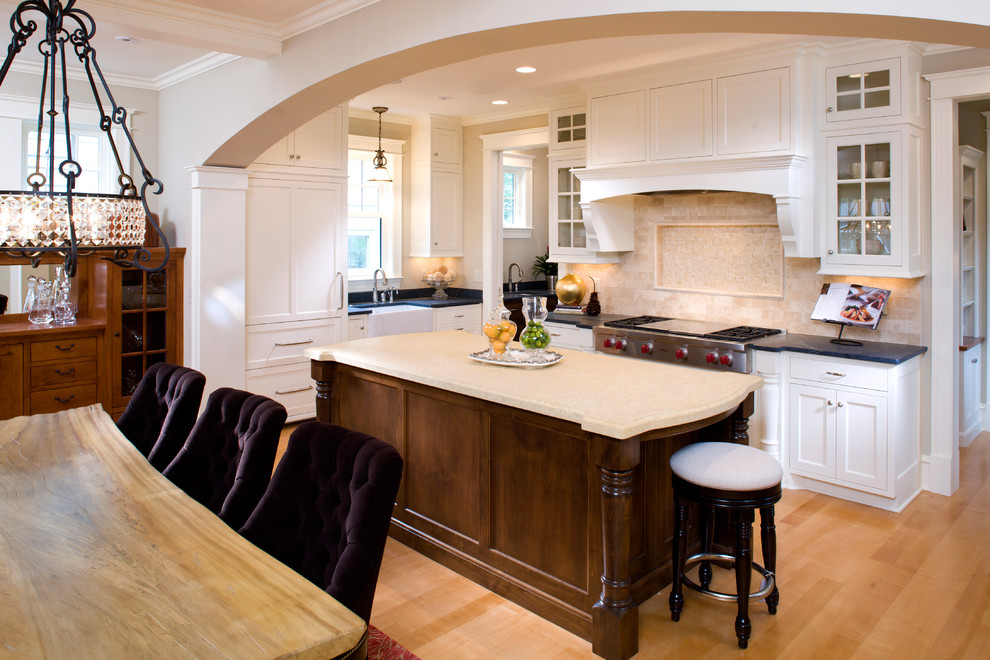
{"x": 543, "y": 266}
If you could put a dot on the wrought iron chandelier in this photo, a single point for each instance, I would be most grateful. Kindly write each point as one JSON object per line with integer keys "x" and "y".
{"x": 380, "y": 173}
{"x": 56, "y": 219}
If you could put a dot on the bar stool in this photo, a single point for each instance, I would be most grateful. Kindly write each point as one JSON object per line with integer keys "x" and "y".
{"x": 738, "y": 479}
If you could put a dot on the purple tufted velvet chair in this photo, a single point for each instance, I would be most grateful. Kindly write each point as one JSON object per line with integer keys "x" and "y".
{"x": 226, "y": 463}
{"x": 327, "y": 510}
{"x": 162, "y": 411}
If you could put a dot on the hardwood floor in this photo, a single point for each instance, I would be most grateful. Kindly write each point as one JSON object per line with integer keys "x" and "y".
{"x": 856, "y": 582}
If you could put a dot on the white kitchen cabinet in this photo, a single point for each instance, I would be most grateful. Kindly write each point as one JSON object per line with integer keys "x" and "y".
{"x": 853, "y": 429}
{"x": 320, "y": 143}
{"x": 279, "y": 344}
{"x": 566, "y": 335}
{"x": 568, "y": 129}
{"x": 839, "y": 434}
{"x": 970, "y": 418}
{"x": 681, "y": 121}
{"x": 437, "y": 179}
{"x": 460, "y": 317}
{"x": 291, "y": 385}
{"x": 754, "y": 112}
{"x": 436, "y": 140}
{"x": 874, "y": 204}
{"x": 568, "y": 232}
{"x": 618, "y": 128}
{"x": 863, "y": 90}
{"x": 436, "y": 223}
{"x": 294, "y": 248}
{"x": 357, "y": 327}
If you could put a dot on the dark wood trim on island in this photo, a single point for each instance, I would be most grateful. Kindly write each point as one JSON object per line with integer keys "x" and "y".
{"x": 571, "y": 524}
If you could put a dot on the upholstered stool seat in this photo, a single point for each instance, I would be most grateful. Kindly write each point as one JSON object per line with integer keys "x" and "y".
{"x": 739, "y": 479}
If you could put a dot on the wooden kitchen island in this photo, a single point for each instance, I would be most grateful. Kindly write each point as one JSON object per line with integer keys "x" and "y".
{"x": 549, "y": 486}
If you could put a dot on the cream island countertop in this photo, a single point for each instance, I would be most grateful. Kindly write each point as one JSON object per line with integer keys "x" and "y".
{"x": 614, "y": 396}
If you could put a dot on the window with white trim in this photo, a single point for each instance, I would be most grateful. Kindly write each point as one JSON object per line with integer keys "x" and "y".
{"x": 517, "y": 196}
{"x": 374, "y": 215}
{"x": 90, "y": 148}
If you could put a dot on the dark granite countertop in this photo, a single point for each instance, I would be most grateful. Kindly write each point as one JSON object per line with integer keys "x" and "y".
{"x": 870, "y": 351}
{"x": 360, "y": 303}
{"x": 583, "y": 320}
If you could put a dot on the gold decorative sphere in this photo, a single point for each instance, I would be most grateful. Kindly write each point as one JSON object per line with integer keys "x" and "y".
{"x": 570, "y": 289}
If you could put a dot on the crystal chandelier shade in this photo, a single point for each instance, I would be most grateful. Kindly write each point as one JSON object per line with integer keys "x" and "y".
{"x": 52, "y": 217}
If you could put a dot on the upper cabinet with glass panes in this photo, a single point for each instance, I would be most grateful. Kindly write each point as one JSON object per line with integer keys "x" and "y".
{"x": 568, "y": 129}
{"x": 873, "y": 205}
{"x": 863, "y": 90}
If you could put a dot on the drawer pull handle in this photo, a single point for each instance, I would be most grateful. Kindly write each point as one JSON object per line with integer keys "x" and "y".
{"x": 61, "y": 400}
{"x": 294, "y": 343}
{"x": 59, "y": 347}
{"x": 836, "y": 374}
{"x": 64, "y": 373}
{"x": 554, "y": 334}
{"x": 301, "y": 389}
{"x": 458, "y": 316}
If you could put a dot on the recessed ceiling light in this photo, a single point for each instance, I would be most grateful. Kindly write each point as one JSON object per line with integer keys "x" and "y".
{"x": 526, "y": 69}
{"x": 126, "y": 40}
{"x": 397, "y": 82}
{"x": 444, "y": 98}
{"x": 499, "y": 102}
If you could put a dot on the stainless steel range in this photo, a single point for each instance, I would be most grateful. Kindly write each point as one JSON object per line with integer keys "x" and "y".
{"x": 704, "y": 344}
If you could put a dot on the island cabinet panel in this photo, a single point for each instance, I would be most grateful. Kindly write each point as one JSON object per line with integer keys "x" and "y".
{"x": 442, "y": 469}
{"x": 513, "y": 499}
{"x": 542, "y": 505}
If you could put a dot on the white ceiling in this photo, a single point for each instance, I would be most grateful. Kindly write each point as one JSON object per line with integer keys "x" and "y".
{"x": 164, "y": 48}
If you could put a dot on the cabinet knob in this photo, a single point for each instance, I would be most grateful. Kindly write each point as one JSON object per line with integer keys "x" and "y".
{"x": 116, "y": 334}
{"x": 828, "y": 109}
{"x": 828, "y": 402}
{"x": 436, "y": 242}
{"x": 839, "y": 404}
{"x": 973, "y": 361}
{"x": 830, "y": 252}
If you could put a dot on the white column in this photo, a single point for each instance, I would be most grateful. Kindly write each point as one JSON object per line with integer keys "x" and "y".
{"x": 216, "y": 329}
{"x": 944, "y": 345}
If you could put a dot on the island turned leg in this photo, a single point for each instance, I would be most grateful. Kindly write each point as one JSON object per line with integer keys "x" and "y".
{"x": 615, "y": 618}
{"x": 322, "y": 373}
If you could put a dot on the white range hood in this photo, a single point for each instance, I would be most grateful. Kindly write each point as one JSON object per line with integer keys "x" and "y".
{"x": 608, "y": 207}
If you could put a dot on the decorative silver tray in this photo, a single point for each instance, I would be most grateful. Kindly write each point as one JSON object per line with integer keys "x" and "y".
{"x": 514, "y": 357}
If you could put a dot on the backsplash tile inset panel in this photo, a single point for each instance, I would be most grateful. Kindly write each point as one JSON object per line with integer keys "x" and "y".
{"x": 730, "y": 260}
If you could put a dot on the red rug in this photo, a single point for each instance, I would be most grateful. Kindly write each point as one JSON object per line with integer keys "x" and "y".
{"x": 383, "y": 647}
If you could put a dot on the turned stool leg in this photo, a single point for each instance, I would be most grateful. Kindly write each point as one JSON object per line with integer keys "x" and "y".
{"x": 678, "y": 556}
{"x": 744, "y": 569}
{"x": 768, "y": 539}
{"x": 706, "y": 524}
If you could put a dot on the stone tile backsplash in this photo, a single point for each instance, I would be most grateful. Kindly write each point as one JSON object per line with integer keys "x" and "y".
{"x": 631, "y": 286}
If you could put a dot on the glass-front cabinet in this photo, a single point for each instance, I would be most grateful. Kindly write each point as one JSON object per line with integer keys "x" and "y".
{"x": 568, "y": 232}
{"x": 871, "y": 219}
{"x": 863, "y": 90}
{"x": 144, "y": 323}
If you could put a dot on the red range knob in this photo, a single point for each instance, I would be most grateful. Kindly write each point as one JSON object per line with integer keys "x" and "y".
{"x": 620, "y": 344}
{"x": 681, "y": 354}
{"x": 711, "y": 358}
{"x": 608, "y": 342}
{"x": 646, "y": 348}
{"x": 725, "y": 359}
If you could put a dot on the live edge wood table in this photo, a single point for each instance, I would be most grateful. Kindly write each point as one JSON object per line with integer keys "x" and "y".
{"x": 102, "y": 557}
{"x": 550, "y": 486}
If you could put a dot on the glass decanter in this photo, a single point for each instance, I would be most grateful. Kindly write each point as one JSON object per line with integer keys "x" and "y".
{"x": 534, "y": 337}
{"x": 41, "y": 310}
{"x": 499, "y": 330}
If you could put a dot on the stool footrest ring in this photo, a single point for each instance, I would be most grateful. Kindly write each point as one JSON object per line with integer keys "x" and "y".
{"x": 766, "y": 586}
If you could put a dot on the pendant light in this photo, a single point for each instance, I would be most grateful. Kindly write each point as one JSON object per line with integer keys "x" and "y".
{"x": 380, "y": 173}
{"x": 51, "y": 217}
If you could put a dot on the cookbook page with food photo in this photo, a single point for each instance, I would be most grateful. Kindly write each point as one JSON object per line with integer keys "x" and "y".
{"x": 851, "y": 304}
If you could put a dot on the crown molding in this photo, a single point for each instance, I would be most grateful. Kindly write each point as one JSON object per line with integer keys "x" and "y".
{"x": 323, "y": 13}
